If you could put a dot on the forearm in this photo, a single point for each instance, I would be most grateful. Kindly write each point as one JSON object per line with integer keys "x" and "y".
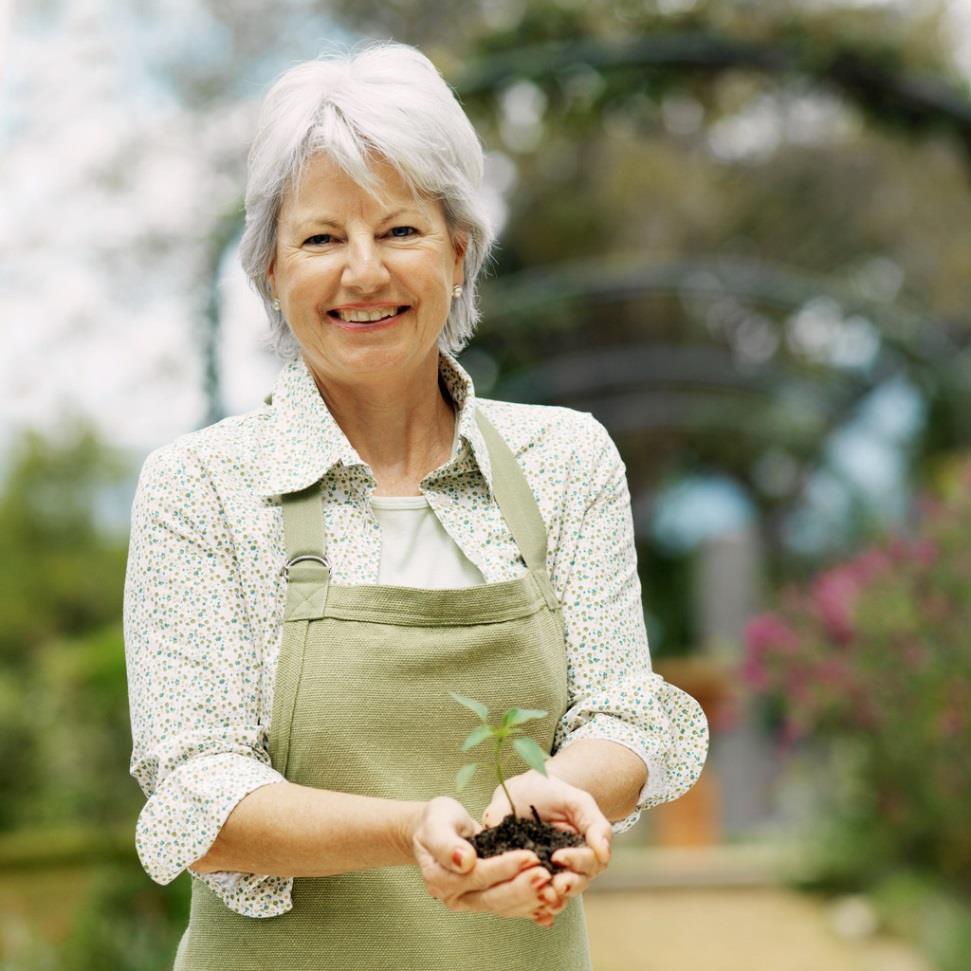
{"x": 290, "y": 830}
{"x": 609, "y": 771}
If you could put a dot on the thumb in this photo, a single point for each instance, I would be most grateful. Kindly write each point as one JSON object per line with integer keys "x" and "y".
{"x": 492, "y": 815}
{"x": 458, "y": 854}
{"x": 462, "y": 858}
{"x": 593, "y": 824}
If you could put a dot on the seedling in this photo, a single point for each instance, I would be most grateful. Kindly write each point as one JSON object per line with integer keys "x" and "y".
{"x": 526, "y": 747}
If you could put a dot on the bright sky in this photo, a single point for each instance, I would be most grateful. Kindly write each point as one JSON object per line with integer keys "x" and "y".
{"x": 107, "y": 187}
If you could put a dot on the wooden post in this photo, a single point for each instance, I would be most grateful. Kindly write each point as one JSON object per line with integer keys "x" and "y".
{"x": 730, "y": 793}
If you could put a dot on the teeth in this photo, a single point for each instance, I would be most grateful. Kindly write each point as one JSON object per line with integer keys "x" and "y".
{"x": 364, "y": 316}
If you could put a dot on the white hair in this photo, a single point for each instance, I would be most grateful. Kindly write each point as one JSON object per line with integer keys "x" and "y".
{"x": 386, "y": 101}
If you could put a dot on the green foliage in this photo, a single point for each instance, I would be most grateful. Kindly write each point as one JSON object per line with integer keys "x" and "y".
{"x": 61, "y": 572}
{"x": 508, "y": 729}
{"x": 127, "y": 923}
{"x": 65, "y": 739}
{"x": 121, "y": 921}
{"x": 85, "y": 746}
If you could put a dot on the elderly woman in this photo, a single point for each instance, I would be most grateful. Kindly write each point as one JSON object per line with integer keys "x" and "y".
{"x": 308, "y": 581}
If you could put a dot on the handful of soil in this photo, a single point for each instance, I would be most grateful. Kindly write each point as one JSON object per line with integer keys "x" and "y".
{"x": 516, "y": 833}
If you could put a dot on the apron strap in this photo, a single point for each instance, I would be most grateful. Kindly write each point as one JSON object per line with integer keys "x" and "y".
{"x": 518, "y": 507}
{"x": 307, "y": 568}
{"x": 515, "y": 498}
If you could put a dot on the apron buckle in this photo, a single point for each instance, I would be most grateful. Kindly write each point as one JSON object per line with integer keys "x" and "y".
{"x": 322, "y": 560}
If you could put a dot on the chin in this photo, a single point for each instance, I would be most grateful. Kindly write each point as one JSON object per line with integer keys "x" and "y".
{"x": 347, "y": 361}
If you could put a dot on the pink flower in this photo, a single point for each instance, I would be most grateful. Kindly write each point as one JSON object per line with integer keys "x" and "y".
{"x": 767, "y": 633}
{"x": 835, "y": 594}
{"x": 754, "y": 673}
{"x": 836, "y": 591}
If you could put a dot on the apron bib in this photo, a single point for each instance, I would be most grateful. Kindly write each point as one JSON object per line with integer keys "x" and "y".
{"x": 361, "y": 705}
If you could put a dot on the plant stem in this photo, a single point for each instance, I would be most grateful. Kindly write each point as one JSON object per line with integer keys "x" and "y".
{"x": 502, "y": 780}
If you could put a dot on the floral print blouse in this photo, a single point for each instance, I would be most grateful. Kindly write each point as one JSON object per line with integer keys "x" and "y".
{"x": 204, "y": 600}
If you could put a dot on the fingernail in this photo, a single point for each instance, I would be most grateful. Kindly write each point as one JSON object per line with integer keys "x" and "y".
{"x": 458, "y": 858}
{"x": 540, "y": 879}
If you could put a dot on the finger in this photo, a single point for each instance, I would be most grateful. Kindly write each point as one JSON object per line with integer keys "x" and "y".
{"x": 490, "y": 815}
{"x": 503, "y": 868}
{"x": 543, "y": 917}
{"x": 495, "y": 813}
{"x": 492, "y": 871}
{"x": 462, "y": 858}
{"x": 450, "y": 827}
{"x": 515, "y": 898}
{"x": 568, "y": 884}
{"x": 580, "y": 859}
{"x": 600, "y": 837}
{"x": 598, "y": 833}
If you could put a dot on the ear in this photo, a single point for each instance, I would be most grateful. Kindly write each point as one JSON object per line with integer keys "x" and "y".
{"x": 460, "y": 243}
{"x": 271, "y": 276}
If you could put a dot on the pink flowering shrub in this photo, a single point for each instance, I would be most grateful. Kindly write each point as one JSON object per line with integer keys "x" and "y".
{"x": 878, "y": 650}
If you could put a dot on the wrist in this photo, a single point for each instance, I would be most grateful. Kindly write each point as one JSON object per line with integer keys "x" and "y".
{"x": 407, "y": 823}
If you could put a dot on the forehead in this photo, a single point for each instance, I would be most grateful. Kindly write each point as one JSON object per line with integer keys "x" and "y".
{"x": 325, "y": 187}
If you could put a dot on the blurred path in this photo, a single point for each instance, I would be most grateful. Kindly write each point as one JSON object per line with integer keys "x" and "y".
{"x": 738, "y": 929}
{"x": 729, "y": 929}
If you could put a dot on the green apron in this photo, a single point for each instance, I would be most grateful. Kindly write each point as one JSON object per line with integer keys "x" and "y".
{"x": 361, "y": 705}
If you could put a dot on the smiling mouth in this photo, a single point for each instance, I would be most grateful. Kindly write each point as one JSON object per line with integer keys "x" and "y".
{"x": 361, "y": 316}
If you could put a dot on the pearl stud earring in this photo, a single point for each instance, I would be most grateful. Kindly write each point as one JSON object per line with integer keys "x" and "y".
{"x": 457, "y": 290}
{"x": 275, "y": 304}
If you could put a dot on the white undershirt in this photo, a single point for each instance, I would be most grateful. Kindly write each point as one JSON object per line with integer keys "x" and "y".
{"x": 415, "y": 549}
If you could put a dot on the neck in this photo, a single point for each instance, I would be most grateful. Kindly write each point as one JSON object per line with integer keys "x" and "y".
{"x": 402, "y": 425}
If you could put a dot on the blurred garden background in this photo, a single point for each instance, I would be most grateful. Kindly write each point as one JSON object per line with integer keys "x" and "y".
{"x": 738, "y": 233}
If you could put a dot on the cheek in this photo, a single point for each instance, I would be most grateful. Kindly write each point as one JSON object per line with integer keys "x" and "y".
{"x": 308, "y": 281}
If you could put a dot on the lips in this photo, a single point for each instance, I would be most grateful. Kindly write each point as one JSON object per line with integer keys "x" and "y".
{"x": 366, "y": 314}
{"x": 396, "y": 314}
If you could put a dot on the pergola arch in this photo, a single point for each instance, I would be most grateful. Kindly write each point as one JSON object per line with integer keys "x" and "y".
{"x": 887, "y": 95}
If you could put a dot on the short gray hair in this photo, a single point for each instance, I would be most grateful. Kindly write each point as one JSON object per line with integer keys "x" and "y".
{"x": 385, "y": 100}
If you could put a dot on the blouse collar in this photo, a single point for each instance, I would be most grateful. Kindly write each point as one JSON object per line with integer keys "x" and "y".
{"x": 301, "y": 442}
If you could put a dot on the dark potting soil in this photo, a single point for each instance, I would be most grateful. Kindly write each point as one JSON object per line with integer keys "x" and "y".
{"x": 517, "y": 833}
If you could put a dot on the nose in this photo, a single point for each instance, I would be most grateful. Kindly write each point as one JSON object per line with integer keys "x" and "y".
{"x": 364, "y": 269}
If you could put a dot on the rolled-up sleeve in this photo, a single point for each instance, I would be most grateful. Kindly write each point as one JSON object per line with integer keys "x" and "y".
{"x": 613, "y": 693}
{"x": 193, "y": 681}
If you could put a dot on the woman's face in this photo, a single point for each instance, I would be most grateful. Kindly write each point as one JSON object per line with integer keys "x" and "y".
{"x": 343, "y": 256}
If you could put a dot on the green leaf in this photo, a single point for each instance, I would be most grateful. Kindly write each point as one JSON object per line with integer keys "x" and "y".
{"x": 476, "y": 706}
{"x": 464, "y": 775}
{"x": 531, "y": 753}
{"x": 516, "y": 716}
{"x": 478, "y": 735}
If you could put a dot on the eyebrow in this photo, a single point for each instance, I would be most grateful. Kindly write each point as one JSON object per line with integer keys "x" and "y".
{"x": 327, "y": 221}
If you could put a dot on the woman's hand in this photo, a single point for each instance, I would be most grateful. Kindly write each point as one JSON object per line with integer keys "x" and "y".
{"x": 512, "y": 884}
{"x": 565, "y": 807}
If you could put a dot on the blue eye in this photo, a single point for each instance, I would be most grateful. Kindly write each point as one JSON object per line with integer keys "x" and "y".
{"x": 403, "y": 232}
{"x": 319, "y": 239}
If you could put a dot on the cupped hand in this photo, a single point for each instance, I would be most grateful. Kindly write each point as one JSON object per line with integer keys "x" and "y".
{"x": 511, "y": 885}
{"x": 565, "y": 807}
